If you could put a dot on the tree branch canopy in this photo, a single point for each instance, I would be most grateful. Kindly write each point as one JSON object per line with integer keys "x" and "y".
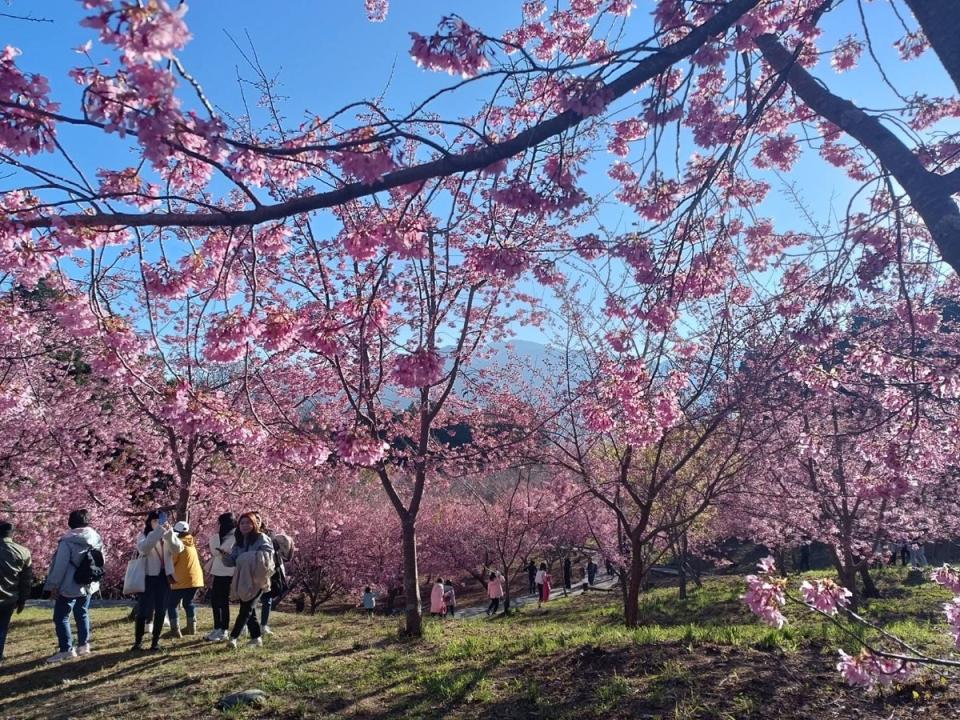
{"x": 645, "y": 70}
{"x": 929, "y": 193}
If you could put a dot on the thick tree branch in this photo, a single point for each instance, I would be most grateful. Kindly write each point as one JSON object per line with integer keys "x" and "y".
{"x": 930, "y": 194}
{"x": 644, "y": 70}
{"x": 940, "y": 20}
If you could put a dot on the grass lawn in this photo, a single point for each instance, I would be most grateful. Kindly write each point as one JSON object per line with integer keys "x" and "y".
{"x": 703, "y": 658}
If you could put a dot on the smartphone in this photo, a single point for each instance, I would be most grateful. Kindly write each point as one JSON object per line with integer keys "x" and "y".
{"x": 162, "y": 518}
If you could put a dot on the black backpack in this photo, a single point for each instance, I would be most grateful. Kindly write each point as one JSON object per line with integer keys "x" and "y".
{"x": 90, "y": 569}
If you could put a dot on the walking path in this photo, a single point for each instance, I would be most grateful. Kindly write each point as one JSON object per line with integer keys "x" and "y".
{"x": 475, "y": 611}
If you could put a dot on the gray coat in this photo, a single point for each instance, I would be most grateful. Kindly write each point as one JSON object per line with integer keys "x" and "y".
{"x": 66, "y": 559}
{"x": 261, "y": 543}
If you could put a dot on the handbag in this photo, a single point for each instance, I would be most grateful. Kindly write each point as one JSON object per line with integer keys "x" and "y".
{"x": 135, "y": 578}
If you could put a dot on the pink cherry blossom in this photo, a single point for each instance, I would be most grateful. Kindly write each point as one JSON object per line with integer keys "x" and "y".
{"x": 825, "y": 595}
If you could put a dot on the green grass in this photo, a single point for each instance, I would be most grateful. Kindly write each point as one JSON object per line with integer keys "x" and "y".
{"x": 705, "y": 657}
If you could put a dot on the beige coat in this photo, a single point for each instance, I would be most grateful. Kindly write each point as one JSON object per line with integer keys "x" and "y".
{"x": 252, "y": 575}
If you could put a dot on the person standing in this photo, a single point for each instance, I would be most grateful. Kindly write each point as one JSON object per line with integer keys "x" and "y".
{"x": 252, "y": 558}
{"x": 282, "y": 552}
{"x": 545, "y": 585}
{"x": 436, "y": 598}
{"x": 16, "y": 578}
{"x": 538, "y": 580}
{"x": 592, "y": 571}
{"x": 567, "y": 573}
{"x": 152, "y": 605}
{"x": 221, "y": 545}
{"x": 73, "y": 578}
{"x": 494, "y": 592}
{"x": 185, "y": 575}
{"x": 369, "y": 601}
{"x": 531, "y": 577}
{"x": 450, "y": 597}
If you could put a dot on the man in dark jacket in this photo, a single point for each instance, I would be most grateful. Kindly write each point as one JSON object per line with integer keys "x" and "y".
{"x": 16, "y": 576}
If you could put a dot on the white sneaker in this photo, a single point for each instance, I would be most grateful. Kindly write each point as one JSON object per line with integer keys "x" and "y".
{"x": 215, "y": 635}
{"x": 61, "y": 656}
{"x": 255, "y": 643}
{"x": 232, "y": 644}
{"x": 266, "y": 630}
{"x": 84, "y": 649}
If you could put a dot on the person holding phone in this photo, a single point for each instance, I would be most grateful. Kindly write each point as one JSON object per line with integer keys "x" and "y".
{"x": 153, "y": 601}
{"x": 252, "y": 558}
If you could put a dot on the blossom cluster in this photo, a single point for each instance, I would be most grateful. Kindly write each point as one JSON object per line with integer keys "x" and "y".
{"x": 419, "y": 369}
{"x": 765, "y": 594}
{"x": 457, "y": 49}
{"x": 868, "y": 670}
{"x": 24, "y": 131}
{"x": 825, "y": 595}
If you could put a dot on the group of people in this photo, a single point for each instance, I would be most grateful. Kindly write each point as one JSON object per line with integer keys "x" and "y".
{"x": 246, "y": 564}
{"x": 443, "y": 599}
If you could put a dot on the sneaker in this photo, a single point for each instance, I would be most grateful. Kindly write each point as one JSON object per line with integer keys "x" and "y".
{"x": 266, "y": 630}
{"x": 173, "y": 633}
{"x": 84, "y": 649}
{"x": 258, "y": 642}
{"x": 137, "y": 647}
{"x": 156, "y": 647}
{"x": 215, "y": 636}
{"x": 232, "y": 644}
{"x": 61, "y": 656}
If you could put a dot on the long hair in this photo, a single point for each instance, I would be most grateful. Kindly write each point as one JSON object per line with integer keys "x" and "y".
{"x": 227, "y": 525}
{"x": 151, "y": 516}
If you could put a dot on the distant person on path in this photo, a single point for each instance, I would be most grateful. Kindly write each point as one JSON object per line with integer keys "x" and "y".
{"x": 567, "y": 573}
{"x": 494, "y": 592}
{"x": 805, "y": 557}
{"x": 918, "y": 555}
{"x": 185, "y": 575}
{"x": 450, "y": 597}
{"x": 592, "y": 571}
{"x": 538, "y": 581}
{"x": 546, "y": 587}
{"x": 252, "y": 556}
{"x": 221, "y": 545}
{"x": 904, "y": 553}
{"x": 531, "y": 577}
{"x": 73, "y": 578}
{"x": 16, "y": 578}
{"x": 609, "y": 568}
{"x": 152, "y": 604}
{"x": 369, "y": 601}
{"x": 436, "y": 598}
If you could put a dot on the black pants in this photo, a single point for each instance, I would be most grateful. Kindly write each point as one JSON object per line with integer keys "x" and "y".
{"x": 532, "y": 584}
{"x": 494, "y": 606}
{"x": 220, "y": 602}
{"x": 152, "y": 604}
{"x": 247, "y": 615}
{"x": 6, "y": 613}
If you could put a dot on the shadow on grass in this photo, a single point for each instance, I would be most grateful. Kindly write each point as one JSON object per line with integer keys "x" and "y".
{"x": 82, "y": 673}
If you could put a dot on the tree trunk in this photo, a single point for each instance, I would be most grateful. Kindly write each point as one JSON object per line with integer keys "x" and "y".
{"x": 631, "y": 612}
{"x": 411, "y": 580}
{"x": 941, "y": 24}
{"x": 869, "y": 587}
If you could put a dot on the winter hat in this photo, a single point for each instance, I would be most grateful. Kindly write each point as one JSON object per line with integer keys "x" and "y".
{"x": 181, "y": 527}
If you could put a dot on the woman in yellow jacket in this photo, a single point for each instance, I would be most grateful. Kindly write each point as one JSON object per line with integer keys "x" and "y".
{"x": 186, "y": 577}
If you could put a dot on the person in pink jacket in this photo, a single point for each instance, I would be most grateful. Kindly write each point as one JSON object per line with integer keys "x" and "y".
{"x": 436, "y": 599}
{"x": 494, "y": 592}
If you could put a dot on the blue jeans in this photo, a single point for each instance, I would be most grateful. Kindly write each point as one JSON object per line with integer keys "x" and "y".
{"x": 176, "y": 597}
{"x": 6, "y": 612}
{"x": 266, "y": 603}
{"x": 61, "y": 620}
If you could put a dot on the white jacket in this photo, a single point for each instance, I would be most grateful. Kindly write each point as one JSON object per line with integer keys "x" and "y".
{"x": 149, "y": 547}
{"x": 217, "y": 567}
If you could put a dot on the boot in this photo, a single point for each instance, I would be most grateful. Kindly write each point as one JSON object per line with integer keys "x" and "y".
{"x": 139, "y": 627}
{"x": 174, "y": 632}
{"x": 191, "y": 627}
